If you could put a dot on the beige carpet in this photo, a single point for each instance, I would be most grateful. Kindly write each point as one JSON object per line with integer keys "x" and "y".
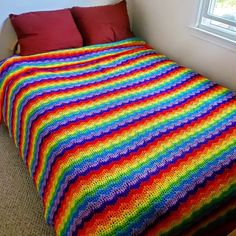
{"x": 21, "y": 209}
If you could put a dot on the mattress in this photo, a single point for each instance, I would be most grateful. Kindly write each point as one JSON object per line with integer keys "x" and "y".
{"x": 120, "y": 140}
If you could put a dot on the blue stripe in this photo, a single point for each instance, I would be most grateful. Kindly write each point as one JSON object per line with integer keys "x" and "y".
{"x": 192, "y": 143}
{"x": 70, "y": 142}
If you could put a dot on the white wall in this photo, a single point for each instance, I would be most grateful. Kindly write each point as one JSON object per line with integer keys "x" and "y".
{"x": 7, "y": 34}
{"x": 165, "y": 25}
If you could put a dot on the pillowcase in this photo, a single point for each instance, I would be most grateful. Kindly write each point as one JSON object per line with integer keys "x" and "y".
{"x": 102, "y": 24}
{"x": 46, "y": 31}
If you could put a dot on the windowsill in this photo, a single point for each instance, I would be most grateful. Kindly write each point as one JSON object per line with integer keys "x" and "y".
{"x": 213, "y": 38}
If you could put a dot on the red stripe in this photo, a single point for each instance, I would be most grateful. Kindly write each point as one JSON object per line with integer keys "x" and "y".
{"x": 134, "y": 194}
{"x": 137, "y": 124}
{"x": 80, "y": 103}
{"x": 131, "y": 157}
{"x": 202, "y": 194}
{"x": 19, "y": 77}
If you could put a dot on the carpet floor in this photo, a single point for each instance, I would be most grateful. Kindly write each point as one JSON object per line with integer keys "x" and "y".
{"x": 21, "y": 209}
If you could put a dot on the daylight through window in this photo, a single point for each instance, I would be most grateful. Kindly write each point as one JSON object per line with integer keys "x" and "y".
{"x": 219, "y": 17}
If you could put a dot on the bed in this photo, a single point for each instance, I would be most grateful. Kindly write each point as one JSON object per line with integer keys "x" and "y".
{"x": 120, "y": 140}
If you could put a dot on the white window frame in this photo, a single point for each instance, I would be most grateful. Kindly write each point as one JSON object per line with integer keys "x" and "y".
{"x": 205, "y": 7}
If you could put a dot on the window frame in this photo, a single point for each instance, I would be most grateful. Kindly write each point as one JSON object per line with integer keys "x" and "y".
{"x": 204, "y": 12}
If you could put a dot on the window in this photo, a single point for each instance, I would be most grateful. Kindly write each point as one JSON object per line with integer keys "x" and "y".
{"x": 219, "y": 17}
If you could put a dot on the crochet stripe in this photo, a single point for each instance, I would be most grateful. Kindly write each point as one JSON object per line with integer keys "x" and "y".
{"x": 120, "y": 140}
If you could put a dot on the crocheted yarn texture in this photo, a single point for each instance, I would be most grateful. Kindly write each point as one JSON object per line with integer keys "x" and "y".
{"x": 120, "y": 140}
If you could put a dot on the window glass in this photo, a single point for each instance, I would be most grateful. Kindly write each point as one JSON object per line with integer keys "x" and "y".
{"x": 219, "y": 17}
{"x": 225, "y": 9}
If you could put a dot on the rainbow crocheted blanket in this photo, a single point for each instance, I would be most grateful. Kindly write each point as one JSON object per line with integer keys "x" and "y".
{"x": 120, "y": 140}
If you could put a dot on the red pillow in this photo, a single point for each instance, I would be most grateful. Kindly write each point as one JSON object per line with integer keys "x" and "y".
{"x": 45, "y": 31}
{"x": 102, "y": 24}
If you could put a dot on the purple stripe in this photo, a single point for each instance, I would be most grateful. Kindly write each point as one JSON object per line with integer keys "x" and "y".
{"x": 193, "y": 145}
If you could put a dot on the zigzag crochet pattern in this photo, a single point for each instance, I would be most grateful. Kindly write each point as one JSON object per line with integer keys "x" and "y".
{"x": 120, "y": 140}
